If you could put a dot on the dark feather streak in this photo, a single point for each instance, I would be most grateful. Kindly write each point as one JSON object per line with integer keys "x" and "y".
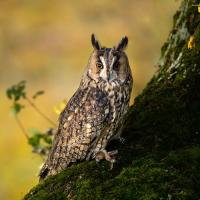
{"x": 95, "y": 42}
{"x": 122, "y": 44}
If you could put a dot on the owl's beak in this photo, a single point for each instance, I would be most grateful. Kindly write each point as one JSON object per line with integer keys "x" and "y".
{"x": 108, "y": 76}
{"x": 111, "y": 76}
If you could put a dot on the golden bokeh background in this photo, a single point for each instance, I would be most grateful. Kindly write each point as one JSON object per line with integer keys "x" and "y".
{"x": 48, "y": 44}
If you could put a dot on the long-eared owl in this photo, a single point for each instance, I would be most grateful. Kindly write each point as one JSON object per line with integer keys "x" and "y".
{"x": 95, "y": 113}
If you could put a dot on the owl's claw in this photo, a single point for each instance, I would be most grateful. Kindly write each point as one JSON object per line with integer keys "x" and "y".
{"x": 109, "y": 156}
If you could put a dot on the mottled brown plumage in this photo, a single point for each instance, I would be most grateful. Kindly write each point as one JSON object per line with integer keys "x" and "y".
{"x": 95, "y": 114}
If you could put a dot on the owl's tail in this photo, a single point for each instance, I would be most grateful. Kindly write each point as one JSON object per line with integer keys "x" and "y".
{"x": 43, "y": 172}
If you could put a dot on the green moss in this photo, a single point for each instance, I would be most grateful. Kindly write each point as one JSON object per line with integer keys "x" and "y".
{"x": 161, "y": 156}
{"x": 145, "y": 178}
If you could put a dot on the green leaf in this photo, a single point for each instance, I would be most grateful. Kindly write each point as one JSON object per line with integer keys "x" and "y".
{"x": 47, "y": 139}
{"x": 38, "y": 139}
{"x": 35, "y": 140}
{"x": 16, "y": 108}
{"x": 17, "y": 91}
{"x": 38, "y": 93}
{"x": 9, "y": 93}
{"x": 40, "y": 142}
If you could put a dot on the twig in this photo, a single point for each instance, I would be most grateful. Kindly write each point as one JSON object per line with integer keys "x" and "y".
{"x": 22, "y": 127}
{"x": 39, "y": 111}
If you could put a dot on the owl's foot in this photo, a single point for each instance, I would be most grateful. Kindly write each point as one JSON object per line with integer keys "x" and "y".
{"x": 109, "y": 156}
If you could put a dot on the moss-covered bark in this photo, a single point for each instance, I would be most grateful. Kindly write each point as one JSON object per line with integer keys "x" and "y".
{"x": 161, "y": 156}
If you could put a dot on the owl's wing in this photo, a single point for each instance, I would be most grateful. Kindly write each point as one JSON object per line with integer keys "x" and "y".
{"x": 85, "y": 118}
{"x": 87, "y": 109}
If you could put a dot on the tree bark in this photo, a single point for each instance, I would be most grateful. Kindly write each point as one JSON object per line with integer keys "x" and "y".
{"x": 161, "y": 156}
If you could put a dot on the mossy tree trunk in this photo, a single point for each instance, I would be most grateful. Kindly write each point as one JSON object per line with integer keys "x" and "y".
{"x": 161, "y": 156}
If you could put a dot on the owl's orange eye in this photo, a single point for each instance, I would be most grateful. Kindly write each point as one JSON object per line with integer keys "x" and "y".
{"x": 99, "y": 65}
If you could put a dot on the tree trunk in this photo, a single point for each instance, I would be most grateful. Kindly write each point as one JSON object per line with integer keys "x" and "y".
{"x": 161, "y": 156}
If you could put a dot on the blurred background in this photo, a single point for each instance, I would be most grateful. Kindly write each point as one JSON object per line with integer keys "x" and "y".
{"x": 48, "y": 44}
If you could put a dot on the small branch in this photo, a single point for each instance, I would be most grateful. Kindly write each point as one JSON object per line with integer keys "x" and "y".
{"x": 21, "y": 127}
{"x": 39, "y": 111}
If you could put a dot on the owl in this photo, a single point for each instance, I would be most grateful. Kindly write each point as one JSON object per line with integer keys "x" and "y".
{"x": 96, "y": 112}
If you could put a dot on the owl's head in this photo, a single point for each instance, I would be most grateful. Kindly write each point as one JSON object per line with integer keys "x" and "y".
{"x": 108, "y": 64}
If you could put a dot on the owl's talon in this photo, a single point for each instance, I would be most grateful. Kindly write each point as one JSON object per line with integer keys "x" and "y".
{"x": 112, "y": 163}
{"x": 112, "y": 153}
{"x": 103, "y": 154}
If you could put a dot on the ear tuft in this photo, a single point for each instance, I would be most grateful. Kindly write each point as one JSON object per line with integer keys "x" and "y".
{"x": 95, "y": 42}
{"x": 122, "y": 44}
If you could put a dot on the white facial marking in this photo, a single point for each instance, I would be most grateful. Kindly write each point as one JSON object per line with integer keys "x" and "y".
{"x": 113, "y": 60}
{"x": 113, "y": 74}
{"x": 103, "y": 73}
